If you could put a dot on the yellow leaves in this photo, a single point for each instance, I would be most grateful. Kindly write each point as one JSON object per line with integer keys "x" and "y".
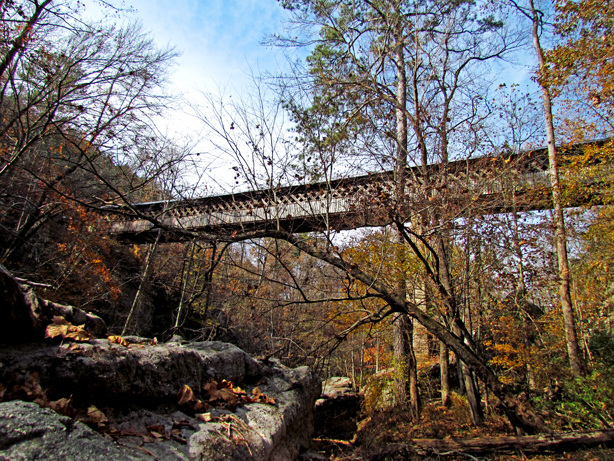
{"x": 118, "y": 340}
{"x": 204, "y": 417}
{"x": 115, "y": 339}
{"x": 62, "y": 327}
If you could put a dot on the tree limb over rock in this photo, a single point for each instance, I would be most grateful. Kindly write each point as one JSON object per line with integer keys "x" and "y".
{"x": 24, "y": 316}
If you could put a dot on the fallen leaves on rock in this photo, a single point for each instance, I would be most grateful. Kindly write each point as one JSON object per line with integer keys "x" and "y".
{"x": 64, "y": 407}
{"x": 222, "y": 394}
{"x": 258, "y": 396}
{"x": 96, "y": 416}
{"x": 118, "y": 340}
{"x": 225, "y": 391}
{"x": 59, "y": 326}
{"x": 121, "y": 341}
{"x": 27, "y": 387}
{"x": 187, "y": 399}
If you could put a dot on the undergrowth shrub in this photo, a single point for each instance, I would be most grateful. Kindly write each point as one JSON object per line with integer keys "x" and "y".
{"x": 379, "y": 392}
{"x": 585, "y": 403}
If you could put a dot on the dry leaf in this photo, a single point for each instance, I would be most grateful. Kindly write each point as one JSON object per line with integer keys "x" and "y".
{"x": 131, "y": 432}
{"x": 33, "y": 389}
{"x": 177, "y": 434}
{"x": 157, "y": 429}
{"x": 96, "y": 416}
{"x": 262, "y": 398}
{"x": 63, "y": 406}
{"x": 206, "y": 417}
{"x": 200, "y": 405}
{"x": 185, "y": 395}
{"x": 62, "y": 327}
{"x": 58, "y": 327}
{"x": 237, "y": 390}
{"x": 220, "y": 391}
{"x": 118, "y": 340}
{"x": 210, "y": 386}
{"x": 227, "y": 396}
{"x": 78, "y": 333}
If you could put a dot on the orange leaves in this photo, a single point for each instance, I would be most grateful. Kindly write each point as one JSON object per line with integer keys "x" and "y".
{"x": 220, "y": 394}
{"x": 185, "y": 395}
{"x": 62, "y": 327}
{"x": 225, "y": 391}
{"x": 258, "y": 396}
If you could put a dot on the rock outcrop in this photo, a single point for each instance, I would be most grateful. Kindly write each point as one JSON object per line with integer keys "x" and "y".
{"x": 173, "y": 401}
{"x": 337, "y": 410}
{"x": 28, "y": 431}
{"x": 136, "y": 387}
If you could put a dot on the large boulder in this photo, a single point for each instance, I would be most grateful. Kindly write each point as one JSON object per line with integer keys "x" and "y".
{"x": 337, "y": 410}
{"x": 28, "y": 431}
{"x": 143, "y": 396}
{"x": 137, "y": 386}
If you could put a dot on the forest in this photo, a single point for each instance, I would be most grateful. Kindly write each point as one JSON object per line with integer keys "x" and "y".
{"x": 449, "y": 318}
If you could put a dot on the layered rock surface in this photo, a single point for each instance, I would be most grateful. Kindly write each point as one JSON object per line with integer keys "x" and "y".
{"x": 128, "y": 389}
{"x": 136, "y": 387}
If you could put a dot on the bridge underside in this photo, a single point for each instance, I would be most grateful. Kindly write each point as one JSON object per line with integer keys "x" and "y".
{"x": 213, "y": 225}
{"x": 474, "y": 187}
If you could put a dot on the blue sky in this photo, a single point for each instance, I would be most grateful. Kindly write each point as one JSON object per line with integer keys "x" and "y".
{"x": 219, "y": 40}
{"x": 220, "y": 45}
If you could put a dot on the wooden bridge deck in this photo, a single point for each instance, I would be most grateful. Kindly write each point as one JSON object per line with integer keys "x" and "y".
{"x": 481, "y": 186}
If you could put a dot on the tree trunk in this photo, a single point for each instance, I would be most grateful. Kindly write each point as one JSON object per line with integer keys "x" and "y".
{"x": 142, "y": 283}
{"x": 406, "y": 378}
{"x": 573, "y": 350}
{"x": 186, "y": 278}
{"x": 473, "y": 396}
{"x": 444, "y": 369}
{"x": 412, "y": 365}
{"x": 406, "y": 373}
{"x": 400, "y": 351}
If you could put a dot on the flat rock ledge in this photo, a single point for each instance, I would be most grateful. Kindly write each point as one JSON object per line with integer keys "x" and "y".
{"x": 137, "y": 386}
